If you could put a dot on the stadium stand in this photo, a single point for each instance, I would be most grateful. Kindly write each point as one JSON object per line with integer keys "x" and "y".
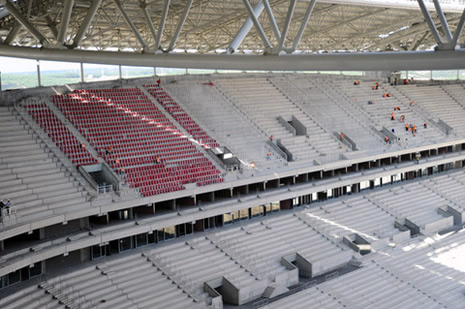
{"x": 227, "y": 124}
{"x": 181, "y": 116}
{"x": 413, "y": 276}
{"x": 339, "y": 221}
{"x": 313, "y": 95}
{"x": 261, "y": 101}
{"x": 36, "y": 184}
{"x": 63, "y": 138}
{"x": 122, "y": 125}
{"x": 449, "y": 111}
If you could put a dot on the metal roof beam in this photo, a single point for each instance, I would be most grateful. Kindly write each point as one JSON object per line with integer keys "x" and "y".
{"x": 308, "y": 13}
{"x": 290, "y": 12}
{"x": 257, "y": 25}
{"x": 270, "y": 14}
{"x": 86, "y": 23}
{"x": 376, "y": 61}
{"x": 130, "y": 23}
{"x": 430, "y": 22}
{"x": 162, "y": 24}
{"x": 66, "y": 16}
{"x": 23, "y": 21}
{"x": 143, "y": 6}
{"x": 442, "y": 18}
{"x": 459, "y": 29}
{"x": 244, "y": 30}
{"x": 13, "y": 34}
{"x": 51, "y": 25}
{"x": 181, "y": 23}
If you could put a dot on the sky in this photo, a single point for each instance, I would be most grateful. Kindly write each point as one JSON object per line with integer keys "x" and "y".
{"x": 17, "y": 65}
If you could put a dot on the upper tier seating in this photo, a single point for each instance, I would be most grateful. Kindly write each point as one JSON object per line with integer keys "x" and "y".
{"x": 63, "y": 138}
{"x": 264, "y": 104}
{"x": 137, "y": 140}
{"x": 379, "y": 113}
{"x": 439, "y": 103}
{"x": 212, "y": 111}
{"x": 330, "y": 108}
{"x": 181, "y": 116}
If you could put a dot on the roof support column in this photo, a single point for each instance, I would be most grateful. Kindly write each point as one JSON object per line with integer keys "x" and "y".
{"x": 308, "y": 13}
{"x": 130, "y": 23}
{"x": 244, "y": 30}
{"x": 290, "y": 12}
{"x": 272, "y": 20}
{"x": 143, "y": 6}
{"x": 86, "y": 23}
{"x": 23, "y": 21}
{"x": 51, "y": 25}
{"x": 13, "y": 33}
{"x": 257, "y": 25}
{"x": 67, "y": 9}
{"x": 442, "y": 18}
{"x": 459, "y": 29}
{"x": 181, "y": 23}
{"x": 429, "y": 21}
{"x": 162, "y": 24}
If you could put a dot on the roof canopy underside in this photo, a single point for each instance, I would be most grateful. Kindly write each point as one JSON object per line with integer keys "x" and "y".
{"x": 214, "y": 26}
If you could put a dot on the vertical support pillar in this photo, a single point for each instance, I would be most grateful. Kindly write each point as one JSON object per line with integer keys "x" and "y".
{"x": 173, "y": 204}
{"x": 431, "y": 75}
{"x": 120, "y": 72}
{"x": 154, "y": 71}
{"x": 39, "y": 82}
{"x": 84, "y": 255}
{"x": 82, "y": 72}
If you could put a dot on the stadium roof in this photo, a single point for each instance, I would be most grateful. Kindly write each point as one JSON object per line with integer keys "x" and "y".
{"x": 160, "y": 28}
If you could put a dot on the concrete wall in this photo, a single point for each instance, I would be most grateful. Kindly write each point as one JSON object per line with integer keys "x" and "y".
{"x": 439, "y": 225}
{"x": 331, "y": 263}
{"x": 300, "y": 128}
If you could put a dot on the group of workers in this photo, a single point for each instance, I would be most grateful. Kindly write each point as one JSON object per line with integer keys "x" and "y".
{"x": 6, "y": 205}
{"x": 408, "y": 127}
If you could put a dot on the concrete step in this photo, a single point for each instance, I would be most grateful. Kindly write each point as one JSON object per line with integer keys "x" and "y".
{"x": 25, "y": 148}
{"x": 45, "y": 168}
{"x": 5, "y": 185}
{"x": 50, "y": 194}
{"x": 15, "y": 135}
{"x": 18, "y": 143}
{"x": 45, "y": 160}
{"x": 51, "y": 178}
{"x": 31, "y": 156}
{"x": 66, "y": 199}
{"x": 8, "y": 126}
{"x": 27, "y": 202}
{"x": 17, "y": 193}
{"x": 39, "y": 173}
{"x": 54, "y": 184}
